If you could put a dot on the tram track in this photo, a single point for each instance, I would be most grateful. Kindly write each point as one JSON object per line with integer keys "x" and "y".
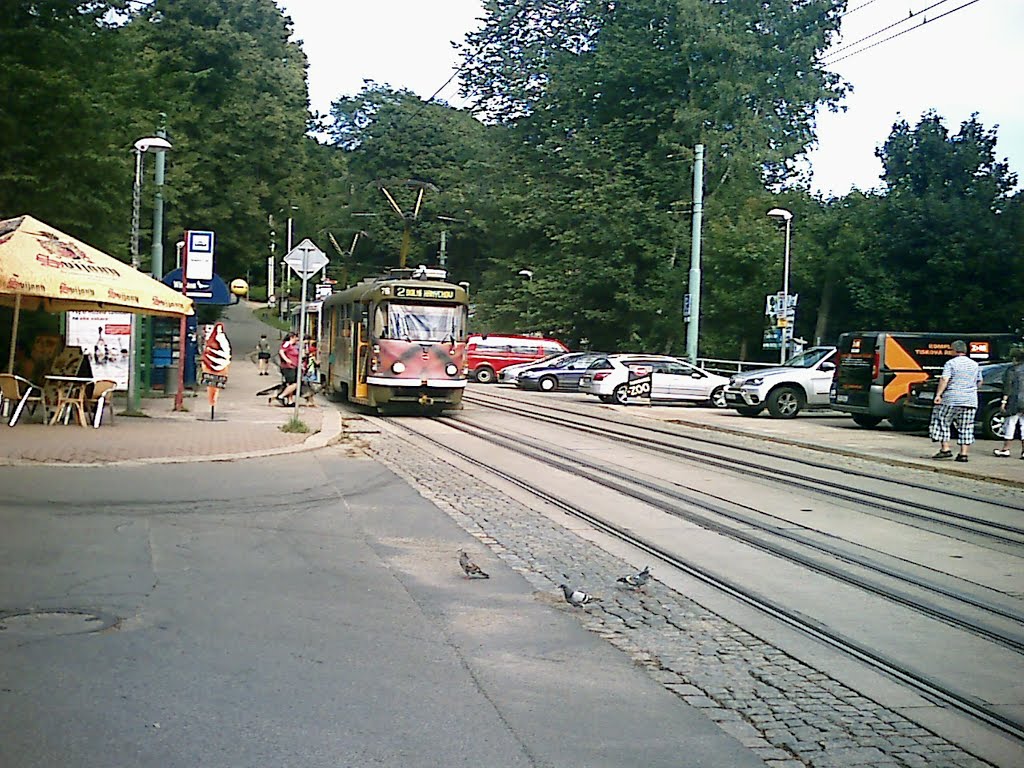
{"x": 889, "y": 503}
{"x": 740, "y": 521}
{"x": 922, "y": 682}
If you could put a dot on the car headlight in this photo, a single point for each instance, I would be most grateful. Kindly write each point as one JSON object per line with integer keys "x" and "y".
{"x": 398, "y": 366}
{"x": 451, "y": 369}
{"x": 754, "y": 382}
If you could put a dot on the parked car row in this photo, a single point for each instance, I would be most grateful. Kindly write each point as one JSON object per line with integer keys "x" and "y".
{"x": 873, "y": 375}
{"x": 605, "y": 376}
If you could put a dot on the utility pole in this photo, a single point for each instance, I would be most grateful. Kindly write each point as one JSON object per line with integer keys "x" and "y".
{"x": 693, "y": 327}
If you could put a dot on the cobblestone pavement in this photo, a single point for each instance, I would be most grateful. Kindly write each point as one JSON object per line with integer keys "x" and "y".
{"x": 788, "y": 713}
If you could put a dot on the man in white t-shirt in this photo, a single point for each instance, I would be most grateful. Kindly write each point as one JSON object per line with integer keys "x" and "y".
{"x": 956, "y": 401}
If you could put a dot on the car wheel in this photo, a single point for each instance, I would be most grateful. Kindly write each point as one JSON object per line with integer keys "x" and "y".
{"x": 863, "y": 420}
{"x": 749, "y": 410}
{"x": 992, "y": 422}
{"x": 606, "y": 398}
{"x": 548, "y": 384}
{"x": 485, "y": 374}
{"x": 785, "y": 402}
{"x": 717, "y": 398}
{"x": 900, "y": 422}
{"x": 619, "y": 394}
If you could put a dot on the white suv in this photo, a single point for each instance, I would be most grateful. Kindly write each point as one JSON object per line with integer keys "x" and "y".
{"x": 672, "y": 379}
{"x": 803, "y": 382}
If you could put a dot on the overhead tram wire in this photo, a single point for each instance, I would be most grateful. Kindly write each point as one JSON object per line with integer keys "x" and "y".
{"x": 904, "y": 20}
{"x": 857, "y": 8}
{"x": 831, "y": 61}
{"x": 466, "y": 62}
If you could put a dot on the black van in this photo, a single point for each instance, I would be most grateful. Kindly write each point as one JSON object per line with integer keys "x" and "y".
{"x": 875, "y": 369}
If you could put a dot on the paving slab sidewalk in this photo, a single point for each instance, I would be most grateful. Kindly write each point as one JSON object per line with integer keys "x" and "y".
{"x": 245, "y": 424}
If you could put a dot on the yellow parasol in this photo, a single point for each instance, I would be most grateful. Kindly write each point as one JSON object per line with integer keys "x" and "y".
{"x": 43, "y": 268}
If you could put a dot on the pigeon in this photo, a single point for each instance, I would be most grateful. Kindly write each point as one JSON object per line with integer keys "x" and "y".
{"x": 577, "y": 597}
{"x": 636, "y": 580}
{"x": 473, "y": 571}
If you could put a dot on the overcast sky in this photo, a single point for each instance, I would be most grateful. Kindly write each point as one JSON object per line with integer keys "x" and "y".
{"x": 969, "y": 61}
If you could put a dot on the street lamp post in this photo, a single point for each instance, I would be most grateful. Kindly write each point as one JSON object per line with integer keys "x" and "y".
{"x": 270, "y": 259}
{"x": 151, "y": 144}
{"x": 787, "y": 331}
{"x": 286, "y": 278}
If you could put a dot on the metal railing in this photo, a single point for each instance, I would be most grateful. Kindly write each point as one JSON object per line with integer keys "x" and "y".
{"x": 729, "y": 367}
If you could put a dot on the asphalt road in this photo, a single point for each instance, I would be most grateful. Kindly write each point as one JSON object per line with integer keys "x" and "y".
{"x": 301, "y": 611}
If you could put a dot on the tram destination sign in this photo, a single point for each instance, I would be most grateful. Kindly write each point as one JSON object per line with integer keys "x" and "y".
{"x": 415, "y": 292}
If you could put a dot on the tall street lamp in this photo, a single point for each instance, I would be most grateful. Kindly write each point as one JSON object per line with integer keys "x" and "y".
{"x": 787, "y": 332}
{"x": 286, "y": 278}
{"x": 149, "y": 144}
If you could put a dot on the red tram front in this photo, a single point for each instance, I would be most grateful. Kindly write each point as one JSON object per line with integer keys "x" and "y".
{"x": 398, "y": 340}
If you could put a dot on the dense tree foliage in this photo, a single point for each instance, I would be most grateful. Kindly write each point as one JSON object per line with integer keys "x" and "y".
{"x": 611, "y": 98}
{"x": 563, "y": 196}
{"x": 62, "y": 157}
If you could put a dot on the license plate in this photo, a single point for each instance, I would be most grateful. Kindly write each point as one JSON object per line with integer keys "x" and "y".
{"x": 842, "y": 398}
{"x": 926, "y": 395}
{"x": 731, "y": 397}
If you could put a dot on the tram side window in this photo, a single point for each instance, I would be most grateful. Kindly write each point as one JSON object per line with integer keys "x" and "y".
{"x": 380, "y": 326}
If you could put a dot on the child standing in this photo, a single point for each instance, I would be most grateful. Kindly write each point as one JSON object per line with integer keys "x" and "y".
{"x": 263, "y": 355}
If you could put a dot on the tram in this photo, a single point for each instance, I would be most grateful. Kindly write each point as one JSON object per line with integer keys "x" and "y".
{"x": 397, "y": 340}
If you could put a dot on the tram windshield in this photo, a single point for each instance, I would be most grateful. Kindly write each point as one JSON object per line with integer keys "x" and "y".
{"x": 419, "y": 322}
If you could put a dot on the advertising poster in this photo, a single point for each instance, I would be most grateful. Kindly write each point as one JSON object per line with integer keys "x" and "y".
{"x": 105, "y": 339}
{"x": 639, "y": 384}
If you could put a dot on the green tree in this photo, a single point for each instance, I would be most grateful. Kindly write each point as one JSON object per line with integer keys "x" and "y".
{"x": 945, "y": 243}
{"x": 606, "y": 101}
{"x": 62, "y": 158}
{"x": 394, "y": 141}
{"x": 233, "y": 87}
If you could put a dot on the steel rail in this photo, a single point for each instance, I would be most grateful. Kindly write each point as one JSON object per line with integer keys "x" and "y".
{"x": 543, "y": 453}
{"x": 873, "y": 498}
{"x": 916, "y": 680}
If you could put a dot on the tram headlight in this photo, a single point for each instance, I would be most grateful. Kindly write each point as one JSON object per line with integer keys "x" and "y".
{"x": 451, "y": 369}
{"x": 398, "y": 366}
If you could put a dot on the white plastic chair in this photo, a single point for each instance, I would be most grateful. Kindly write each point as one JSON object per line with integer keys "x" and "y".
{"x": 20, "y": 391}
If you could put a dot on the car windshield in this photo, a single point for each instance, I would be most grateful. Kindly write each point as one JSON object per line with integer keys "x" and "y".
{"x": 808, "y": 359}
{"x": 420, "y": 322}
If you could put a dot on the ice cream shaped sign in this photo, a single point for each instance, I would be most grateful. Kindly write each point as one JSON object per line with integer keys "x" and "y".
{"x": 216, "y": 362}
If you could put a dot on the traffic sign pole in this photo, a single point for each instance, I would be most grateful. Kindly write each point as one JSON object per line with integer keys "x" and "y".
{"x": 305, "y": 260}
{"x": 302, "y": 333}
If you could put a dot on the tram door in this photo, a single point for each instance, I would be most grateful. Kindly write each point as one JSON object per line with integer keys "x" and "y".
{"x": 361, "y": 349}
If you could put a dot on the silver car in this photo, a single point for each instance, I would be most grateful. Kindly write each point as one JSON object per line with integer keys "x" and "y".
{"x": 672, "y": 380}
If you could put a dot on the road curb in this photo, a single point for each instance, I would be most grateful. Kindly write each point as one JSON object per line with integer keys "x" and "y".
{"x": 329, "y": 432}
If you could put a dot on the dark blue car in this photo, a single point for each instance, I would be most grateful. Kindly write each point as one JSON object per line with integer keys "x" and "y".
{"x": 562, "y": 374}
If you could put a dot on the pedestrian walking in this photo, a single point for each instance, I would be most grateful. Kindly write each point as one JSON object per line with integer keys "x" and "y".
{"x": 1012, "y": 404}
{"x": 288, "y": 359}
{"x": 956, "y": 402}
{"x": 263, "y": 355}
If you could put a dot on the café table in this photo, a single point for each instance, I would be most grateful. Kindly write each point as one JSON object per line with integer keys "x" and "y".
{"x": 71, "y": 392}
